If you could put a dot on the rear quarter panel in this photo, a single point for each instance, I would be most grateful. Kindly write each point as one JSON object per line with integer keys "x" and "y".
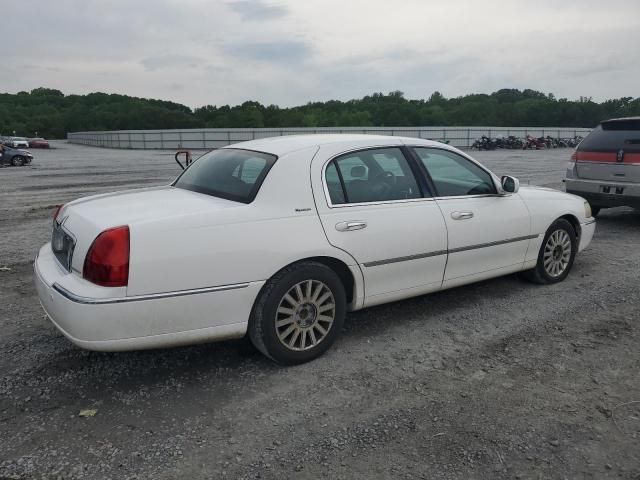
{"x": 245, "y": 244}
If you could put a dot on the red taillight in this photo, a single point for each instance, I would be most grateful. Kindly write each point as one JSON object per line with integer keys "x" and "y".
{"x": 56, "y": 212}
{"x": 574, "y": 156}
{"x": 107, "y": 261}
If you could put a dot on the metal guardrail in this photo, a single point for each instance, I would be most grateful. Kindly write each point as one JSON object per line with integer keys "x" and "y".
{"x": 208, "y": 138}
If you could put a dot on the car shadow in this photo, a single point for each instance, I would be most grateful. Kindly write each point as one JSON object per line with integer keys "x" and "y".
{"x": 123, "y": 370}
{"x": 618, "y": 217}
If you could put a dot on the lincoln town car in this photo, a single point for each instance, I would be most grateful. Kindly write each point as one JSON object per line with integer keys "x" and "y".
{"x": 279, "y": 238}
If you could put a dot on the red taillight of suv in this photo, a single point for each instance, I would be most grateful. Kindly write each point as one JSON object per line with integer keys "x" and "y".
{"x": 107, "y": 261}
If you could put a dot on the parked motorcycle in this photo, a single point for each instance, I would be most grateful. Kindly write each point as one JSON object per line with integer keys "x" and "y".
{"x": 484, "y": 143}
{"x": 532, "y": 142}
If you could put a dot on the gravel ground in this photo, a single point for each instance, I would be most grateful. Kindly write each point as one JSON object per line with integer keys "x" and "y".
{"x": 500, "y": 379}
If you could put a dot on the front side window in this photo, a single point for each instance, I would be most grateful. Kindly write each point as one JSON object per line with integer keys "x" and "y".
{"x": 375, "y": 175}
{"x": 454, "y": 175}
{"x": 227, "y": 173}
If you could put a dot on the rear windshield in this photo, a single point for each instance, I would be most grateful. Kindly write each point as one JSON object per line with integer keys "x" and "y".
{"x": 227, "y": 173}
{"x": 613, "y": 136}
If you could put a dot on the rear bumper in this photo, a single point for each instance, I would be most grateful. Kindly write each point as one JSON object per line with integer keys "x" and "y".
{"x": 591, "y": 190}
{"x": 133, "y": 323}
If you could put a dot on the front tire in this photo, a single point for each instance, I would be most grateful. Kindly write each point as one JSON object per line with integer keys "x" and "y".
{"x": 299, "y": 313}
{"x": 556, "y": 254}
{"x": 17, "y": 161}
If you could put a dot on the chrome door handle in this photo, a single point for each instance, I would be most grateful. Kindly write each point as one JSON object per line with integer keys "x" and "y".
{"x": 462, "y": 215}
{"x": 350, "y": 225}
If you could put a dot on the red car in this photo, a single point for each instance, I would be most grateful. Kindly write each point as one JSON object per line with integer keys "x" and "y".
{"x": 38, "y": 143}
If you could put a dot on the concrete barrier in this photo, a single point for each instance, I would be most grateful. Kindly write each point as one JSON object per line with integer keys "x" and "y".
{"x": 208, "y": 138}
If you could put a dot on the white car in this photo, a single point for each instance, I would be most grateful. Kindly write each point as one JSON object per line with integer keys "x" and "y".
{"x": 281, "y": 237}
{"x": 18, "y": 142}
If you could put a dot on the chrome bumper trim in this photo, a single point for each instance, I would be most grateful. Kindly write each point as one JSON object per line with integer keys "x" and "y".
{"x": 140, "y": 298}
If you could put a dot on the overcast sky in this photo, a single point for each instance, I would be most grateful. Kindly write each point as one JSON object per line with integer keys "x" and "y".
{"x": 290, "y": 52}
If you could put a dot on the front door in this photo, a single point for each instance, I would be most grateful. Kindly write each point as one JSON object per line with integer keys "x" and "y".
{"x": 372, "y": 206}
{"x": 488, "y": 234}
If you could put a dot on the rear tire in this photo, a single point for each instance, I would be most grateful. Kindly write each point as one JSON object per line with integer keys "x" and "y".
{"x": 17, "y": 161}
{"x": 299, "y": 313}
{"x": 556, "y": 255}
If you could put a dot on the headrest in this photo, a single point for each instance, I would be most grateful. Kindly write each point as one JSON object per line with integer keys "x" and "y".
{"x": 358, "y": 171}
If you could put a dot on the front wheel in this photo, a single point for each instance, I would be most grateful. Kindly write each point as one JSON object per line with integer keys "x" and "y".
{"x": 556, "y": 255}
{"x": 299, "y": 313}
{"x": 17, "y": 161}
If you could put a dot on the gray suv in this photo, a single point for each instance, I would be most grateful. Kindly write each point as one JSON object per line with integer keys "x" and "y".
{"x": 605, "y": 168}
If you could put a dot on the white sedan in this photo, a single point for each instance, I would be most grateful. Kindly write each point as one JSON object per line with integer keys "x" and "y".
{"x": 281, "y": 237}
{"x": 19, "y": 142}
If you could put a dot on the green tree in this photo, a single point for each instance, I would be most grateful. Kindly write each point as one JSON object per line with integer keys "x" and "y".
{"x": 51, "y": 113}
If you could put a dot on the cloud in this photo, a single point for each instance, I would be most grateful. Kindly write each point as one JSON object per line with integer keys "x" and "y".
{"x": 258, "y": 10}
{"x": 586, "y": 66}
{"x": 291, "y": 52}
{"x": 285, "y": 51}
{"x": 169, "y": 61}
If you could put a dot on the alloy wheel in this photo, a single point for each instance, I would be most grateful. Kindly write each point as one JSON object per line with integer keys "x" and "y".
{"x": 305, "y": 315}
{"x": 557, "y": 253}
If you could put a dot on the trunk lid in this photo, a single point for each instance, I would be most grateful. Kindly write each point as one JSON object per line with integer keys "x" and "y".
{"x": 84, "y": 219}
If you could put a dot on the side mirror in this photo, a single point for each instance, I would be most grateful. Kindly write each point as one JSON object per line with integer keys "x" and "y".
{"x": 510, "y": 184}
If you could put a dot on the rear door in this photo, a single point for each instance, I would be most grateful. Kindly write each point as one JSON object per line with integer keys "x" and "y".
{"x": 611, "y": 152}
{"x": 373, "y": 206}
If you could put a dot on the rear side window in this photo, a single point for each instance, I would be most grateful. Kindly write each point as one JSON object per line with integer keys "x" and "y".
{"x": 375, "y": 175}
{"x": 334, "y": 185}
{"x": 228, "y": 173}
{"x": 613, "y": 136}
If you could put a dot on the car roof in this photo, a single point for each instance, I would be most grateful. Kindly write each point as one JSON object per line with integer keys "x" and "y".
{"x": 282, "y": 145}
{"x": 620, "y": 119}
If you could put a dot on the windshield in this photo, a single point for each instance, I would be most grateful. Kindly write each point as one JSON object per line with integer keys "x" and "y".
{"x": 227, "y": 173}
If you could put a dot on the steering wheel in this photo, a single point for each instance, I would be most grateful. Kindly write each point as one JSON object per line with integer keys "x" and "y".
{"x": 383, "y": 184}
